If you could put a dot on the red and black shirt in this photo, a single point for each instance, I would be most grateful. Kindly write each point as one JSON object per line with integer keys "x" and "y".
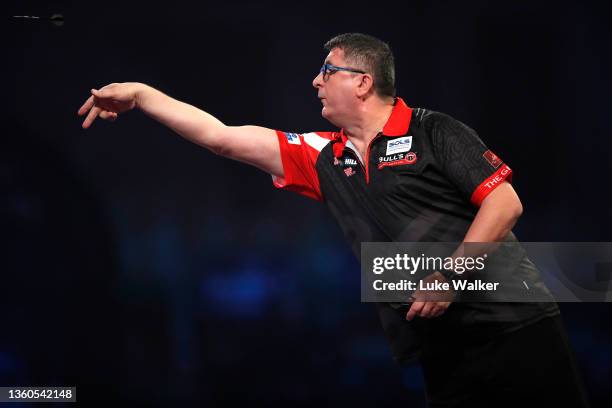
{"x": 423, "y": 178}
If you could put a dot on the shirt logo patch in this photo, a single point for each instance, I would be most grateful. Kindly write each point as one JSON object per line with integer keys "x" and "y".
{"x": 350, "y": 162}
{"x": 397, "y": 160}
{"x": 349, "y": 171}
{"x": 293, "y": 138}
{"x": 492, "y": 159}
{"x": 399, "y": 145}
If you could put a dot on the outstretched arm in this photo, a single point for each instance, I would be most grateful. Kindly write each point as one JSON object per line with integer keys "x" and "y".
{"x": 254, "y": 145}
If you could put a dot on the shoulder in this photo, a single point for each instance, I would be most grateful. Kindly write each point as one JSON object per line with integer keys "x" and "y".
{"x": 436, "y": 123}
{"x": 317, "y": 140}
{"x": 428, "y": 117}
{"x": 326, "y": 135}
{"x": 320, "y": 137}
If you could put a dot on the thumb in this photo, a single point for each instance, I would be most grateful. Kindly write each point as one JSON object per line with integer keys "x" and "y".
{"x": 102, "y": 93}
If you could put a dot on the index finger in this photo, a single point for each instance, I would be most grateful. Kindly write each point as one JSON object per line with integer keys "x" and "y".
{"x": 415, "y": 309}
{"x": 93, "y": 113}
{"x": 86, "y": 106}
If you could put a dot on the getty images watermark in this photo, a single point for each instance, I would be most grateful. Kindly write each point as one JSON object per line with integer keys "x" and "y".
{"x": 486, "y": 272}
{"x": 453, "y": 266}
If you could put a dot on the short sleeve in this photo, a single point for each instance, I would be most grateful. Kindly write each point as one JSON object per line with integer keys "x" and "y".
{"x": 465, "y": 159}
{"x": 299, "y": 154}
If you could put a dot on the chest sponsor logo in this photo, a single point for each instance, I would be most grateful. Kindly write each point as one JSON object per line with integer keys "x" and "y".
{"x": 293, "y": 138}
{"x": 350, "y": 162}
{"x": 492, "y": 159}
{"x": 397, "y": 160}
{"x": 399, "y": 145}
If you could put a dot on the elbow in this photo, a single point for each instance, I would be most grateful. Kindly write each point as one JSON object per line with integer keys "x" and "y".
{"x": 218, "y": 144}
{"x": 220, "y": 149}
{"x": 517, "y": 209}
{"x": 514, "y": 212}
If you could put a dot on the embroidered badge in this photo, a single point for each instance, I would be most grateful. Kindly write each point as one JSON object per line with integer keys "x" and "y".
{"x": 492, "y": 159}
{"x": 293, "y": 138}
{"x": 349, "y": 171}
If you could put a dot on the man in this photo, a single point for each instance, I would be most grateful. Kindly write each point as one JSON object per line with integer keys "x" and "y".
{"x": 393, "y": 174}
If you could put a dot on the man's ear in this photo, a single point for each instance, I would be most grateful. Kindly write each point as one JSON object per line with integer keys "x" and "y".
{"x": 366, "y": 84}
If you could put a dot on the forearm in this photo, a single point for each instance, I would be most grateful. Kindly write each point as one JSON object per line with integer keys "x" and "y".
{"x": 495, "y": 218}
{"x": 188, "y": 121}
{"x": 254, "y": 145}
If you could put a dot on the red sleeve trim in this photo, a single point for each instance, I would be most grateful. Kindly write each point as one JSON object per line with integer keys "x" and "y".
{"x": 299, "y": 174}
{"x": 504, "y": 173}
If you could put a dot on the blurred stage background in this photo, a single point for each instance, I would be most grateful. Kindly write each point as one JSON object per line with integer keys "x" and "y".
{"x": 142, "y": 268}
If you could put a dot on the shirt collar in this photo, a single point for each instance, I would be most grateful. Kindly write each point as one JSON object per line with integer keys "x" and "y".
{"x": 397, "y": 125}
{"x": 399, "y": 121}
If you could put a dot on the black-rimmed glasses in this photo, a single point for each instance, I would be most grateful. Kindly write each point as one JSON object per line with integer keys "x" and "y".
{"x": 328, "y": 69}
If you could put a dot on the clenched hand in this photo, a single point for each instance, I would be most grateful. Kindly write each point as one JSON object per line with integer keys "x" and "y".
{"x": 430, "y": 303}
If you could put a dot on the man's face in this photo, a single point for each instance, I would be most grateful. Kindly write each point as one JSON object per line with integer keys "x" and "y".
{"x": 337, "y": 92}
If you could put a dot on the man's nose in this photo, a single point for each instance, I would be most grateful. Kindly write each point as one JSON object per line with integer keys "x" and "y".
{"x": 318, "y": 80}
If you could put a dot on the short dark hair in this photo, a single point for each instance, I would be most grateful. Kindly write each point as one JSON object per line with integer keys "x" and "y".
{"x": 371, "y": 55}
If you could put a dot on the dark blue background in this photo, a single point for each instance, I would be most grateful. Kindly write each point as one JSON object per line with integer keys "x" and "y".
{"x": 140, "y": 267}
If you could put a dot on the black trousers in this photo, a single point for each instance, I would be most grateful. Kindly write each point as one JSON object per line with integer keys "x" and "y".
{"x": 530, "y": 367}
